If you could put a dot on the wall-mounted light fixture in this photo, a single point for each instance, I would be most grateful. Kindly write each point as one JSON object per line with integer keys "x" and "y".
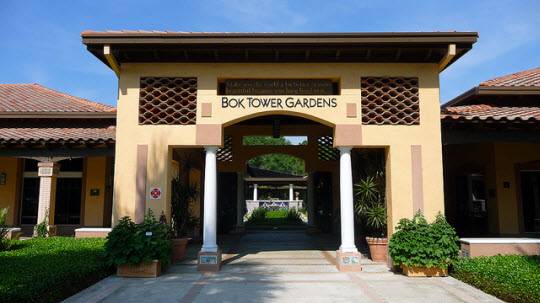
{"x": 3, "y": 178}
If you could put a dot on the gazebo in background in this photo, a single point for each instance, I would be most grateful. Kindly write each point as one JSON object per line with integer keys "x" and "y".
{"x": 273, "y": 189}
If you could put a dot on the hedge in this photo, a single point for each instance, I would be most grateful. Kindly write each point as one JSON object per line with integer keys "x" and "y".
{"x": 50, "y": 269}
{"x": 510, "y": 278}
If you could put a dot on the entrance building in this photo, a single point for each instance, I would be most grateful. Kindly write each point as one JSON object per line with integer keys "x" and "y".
{"x": 202, "y": 92}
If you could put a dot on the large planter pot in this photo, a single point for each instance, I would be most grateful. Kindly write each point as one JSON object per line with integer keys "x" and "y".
{"x": 378, "y": 249}
{"x": 416, "y": 271}
{"x": 142, "y": 270}
{"x": 179, "y": 248}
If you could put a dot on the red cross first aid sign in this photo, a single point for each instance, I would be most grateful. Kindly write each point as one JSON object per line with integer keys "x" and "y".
{"x": 155, "y": 193}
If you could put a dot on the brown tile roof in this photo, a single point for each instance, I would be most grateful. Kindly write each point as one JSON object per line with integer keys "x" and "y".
{"x": 57, "y": 135}
{"x": 485, "y": 112}
{"x": 529, "y": 77}
{"x": 36, "y": 98}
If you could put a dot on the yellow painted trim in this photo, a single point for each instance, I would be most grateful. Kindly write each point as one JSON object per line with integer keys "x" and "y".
{"x": 111, "y": 59}
{"x": 450, "y": 54}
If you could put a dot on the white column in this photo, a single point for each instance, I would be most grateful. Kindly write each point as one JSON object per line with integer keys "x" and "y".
{"x": 210, "y": 201}
{"x": 311, "y": 199}
{"x": 291, "y": 192}
{"x": 346, "y": 201}
{"x": 255, "y": 192}
{"x": 240, "y": 201}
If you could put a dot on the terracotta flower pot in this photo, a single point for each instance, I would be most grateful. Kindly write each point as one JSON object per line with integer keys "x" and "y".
{"x": 179, "y": 248}
{"x": 378, "y": 249}
{"x": 417, "y": 271}
{"x": 141, "y": 270}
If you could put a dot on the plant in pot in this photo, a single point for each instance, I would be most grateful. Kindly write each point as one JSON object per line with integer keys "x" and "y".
{"x": 183, "y": 195}
{"x": 371, "y": 210}
{"x": 424, "y": 249}
{"x": 139, "y": 250}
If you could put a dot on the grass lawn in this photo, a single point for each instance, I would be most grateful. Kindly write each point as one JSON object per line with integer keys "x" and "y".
{"x": 50, "y": 269}
{"x": 510, "y": 278}
{"x": 276, "y": 217}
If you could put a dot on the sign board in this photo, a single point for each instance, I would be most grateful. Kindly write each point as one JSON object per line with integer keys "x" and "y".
{"x": 278, "y": 87}
{"x": 155, "y": 193}
{"x": 208, "y": 259}
{"x": 278, "y": 102}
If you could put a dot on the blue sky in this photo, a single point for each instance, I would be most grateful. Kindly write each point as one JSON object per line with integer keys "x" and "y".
{"x": 42, "y": 42}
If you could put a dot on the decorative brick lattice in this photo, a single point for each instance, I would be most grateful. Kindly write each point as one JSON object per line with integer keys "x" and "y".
{"x": 325, "y": 149}
{"x": 170, "y": 101}
{"x": 391, "y": 101}
{"x": 225, "y": 154}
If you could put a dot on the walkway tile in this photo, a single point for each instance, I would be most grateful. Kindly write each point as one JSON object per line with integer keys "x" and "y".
{"x": 281, "y": 267}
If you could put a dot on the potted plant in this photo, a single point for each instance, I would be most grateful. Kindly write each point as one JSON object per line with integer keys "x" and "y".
{"x": 139, "y": 250}
{"x": 422, "y": 249}
{"x": 183, "y": 195}
{"x": 371, "y": 210}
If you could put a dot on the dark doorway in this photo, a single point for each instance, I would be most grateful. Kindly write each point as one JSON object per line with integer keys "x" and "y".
{"x": 323, "y": 201}
{"x": 226, "y": 196}
{"x": 68, "y": 201}
{"x": 530, "y": 195}
{"x": 30, "y": 200}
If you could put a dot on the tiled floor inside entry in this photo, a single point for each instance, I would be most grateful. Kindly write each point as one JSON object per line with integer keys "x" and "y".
{"x": 282, "y": 266}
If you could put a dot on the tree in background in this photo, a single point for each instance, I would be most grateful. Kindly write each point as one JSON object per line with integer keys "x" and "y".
{"x": 275, "y": 162}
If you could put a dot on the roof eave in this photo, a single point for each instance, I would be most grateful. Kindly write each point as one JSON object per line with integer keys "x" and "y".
{"x": 59, "y": 115}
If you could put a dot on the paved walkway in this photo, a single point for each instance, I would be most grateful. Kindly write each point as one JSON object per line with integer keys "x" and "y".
{"x": 280, "y": 267}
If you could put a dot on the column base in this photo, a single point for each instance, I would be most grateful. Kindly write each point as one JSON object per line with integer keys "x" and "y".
{"x": 348, "y": 261}
{"x": 209, "y": 261}
{"x": 51, "y": 231}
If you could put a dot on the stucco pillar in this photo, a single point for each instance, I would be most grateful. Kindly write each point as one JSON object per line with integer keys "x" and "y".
{"x": 209, "y": 258}
{"x": 47, "y": 172}
{"x": 291, "y": 192}
{"x": 255, "y": 192}
{"x": 348, "y": 257}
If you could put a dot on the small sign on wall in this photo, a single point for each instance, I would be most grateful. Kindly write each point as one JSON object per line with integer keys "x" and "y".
{"x": 155, "y": 193}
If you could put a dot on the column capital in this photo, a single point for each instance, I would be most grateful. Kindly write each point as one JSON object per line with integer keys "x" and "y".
{"x": 344, "y": 149}
{"x": 48, "y": 169}
{"x": 211, "y": 148}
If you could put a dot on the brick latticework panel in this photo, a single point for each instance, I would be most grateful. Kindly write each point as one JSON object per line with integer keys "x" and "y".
{"x": 325, "y": 149}
{"x": 170, "y": 101}
{"x": 390, "y": 101}
{"x": 225, "y": 154}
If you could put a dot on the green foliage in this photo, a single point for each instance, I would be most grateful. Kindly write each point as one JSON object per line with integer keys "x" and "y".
{"x": 50, "y": 269}
{"x": 510, "y": 278}
{"x": 280, "y": 216}
{"x": 275, "y": 162}
{"x": 370, "y": 204}
{"x": 183, "y": 195}
{"x": 42, "y": 228}
{"x": 4, "y": 243}
{"x": 419, "y": 243}
{"x": 130, "y": 243}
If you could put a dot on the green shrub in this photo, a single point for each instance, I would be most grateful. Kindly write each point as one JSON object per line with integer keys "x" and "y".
{"x": 130, "y": 243}
{"x": 511, "y": 278}
{"x": 277, "y": 216}
{"x": 4, "y": 243}
{"x": 293, "y": 214}
{"x": 258, "y": 215}
{"x": 50, "y": 269}
{"x": 418, "y": 243}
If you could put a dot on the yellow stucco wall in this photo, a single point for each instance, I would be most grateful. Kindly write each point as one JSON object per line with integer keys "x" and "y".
{"x": 8, "y": 192}
{"x": 95, "y": 179}
{"x": 161, "y": 139}
{"x": 497, "y": 162}
{"x": 507, "y": 155}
